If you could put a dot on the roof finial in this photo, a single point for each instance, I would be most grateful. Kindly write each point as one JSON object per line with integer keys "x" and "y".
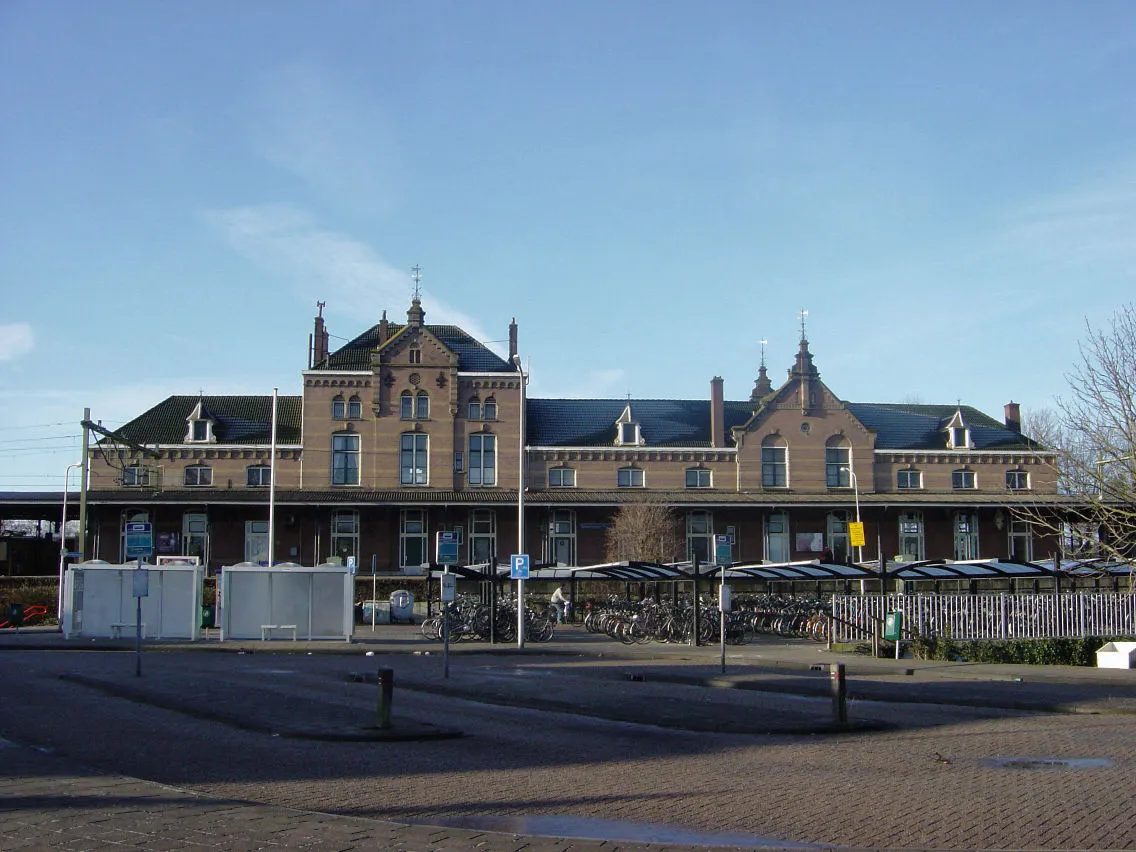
{"x": 417, "y": 276}
{"x": 804, "y": 337}
{"x": 764, "y": 343}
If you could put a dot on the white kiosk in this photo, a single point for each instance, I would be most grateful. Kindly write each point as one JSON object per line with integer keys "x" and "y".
{"x": 99, "y": 602}
{"x": 286, "y": 601}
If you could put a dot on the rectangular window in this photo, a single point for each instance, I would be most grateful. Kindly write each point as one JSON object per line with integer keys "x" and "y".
{"x": 345, "y": 534}
{"x": 700, "y": 537}
{"x": 198, "y": 475}
{"x": 200, "y": 430}
{"x": 345, "y": 459}
{"x": 1020, "y": 541}
{"x": 259, "y": 476}
{"x": 777, "y": 538}
{"x": 338, "y": 410}
{"x": 474, "y": 412}
{"x": 628, "y": 433}
{"x": 256, "y": 542}
{"x": 482, "y": 460}
{"x": 195, "y": 536}
{"x": 459, "y": 461}
{"x": 415, "y": 356}
{"x": 773, "y": 467}
{"x": 962, "y": 479}
{"x": 482, "y": 536}
{"x": 837, "y": 465}
{"x": 966, "y": 536}
{"x": 562, "y": 477}
{"x": 909, "y": 479}
{"x": 136, "y": 475}
{"x": 1017, "y": 480}
{"x": 697, "y": 477}
{"x": 413, "y": 458}
{"x": 406, "y": 407}
{"x": 911, "y": 545}
{"x": 630, "y": 477}
{"x": 355, "y": 408}
{"x": 422, "y": 406}
{"x": 562, "y": 537}
{"x": 490, "y": 412}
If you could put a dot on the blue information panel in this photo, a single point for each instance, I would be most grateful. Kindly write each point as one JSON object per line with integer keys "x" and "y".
{"x": 723, "y": 551}
{"x": 519, "y": 566}
{"x": 139, "y": 540}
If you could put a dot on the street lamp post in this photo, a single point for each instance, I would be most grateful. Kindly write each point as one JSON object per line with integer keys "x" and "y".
{"x": 521, "y": 503}
{"x": 63, "y": 537}
{"x": 856, "y": 493}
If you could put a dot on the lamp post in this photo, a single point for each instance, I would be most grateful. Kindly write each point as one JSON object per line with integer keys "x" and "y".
{"x": 1100, "y": 471}
{"x": 856, "y": 493}
{"x": 63, "y": 537}
{"x": 521, "y": 503}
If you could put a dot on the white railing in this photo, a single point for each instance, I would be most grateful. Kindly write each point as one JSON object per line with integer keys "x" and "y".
{"x": 987, "y": 616}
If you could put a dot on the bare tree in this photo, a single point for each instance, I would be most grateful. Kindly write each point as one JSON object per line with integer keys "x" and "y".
{"x": 646, "y": 531}
{"x": 1093, "y": 433}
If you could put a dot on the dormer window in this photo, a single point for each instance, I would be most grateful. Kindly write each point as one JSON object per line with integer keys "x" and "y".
{"x": 627, "y": 432}
{"x": 958, "y": 433}
{"x": 199, "y": 426}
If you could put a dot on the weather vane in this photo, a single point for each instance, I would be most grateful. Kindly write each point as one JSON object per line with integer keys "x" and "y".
{"x": 804, "y": 314}
{"x": 417, "y": 276}
{"x": 764, "y": 343}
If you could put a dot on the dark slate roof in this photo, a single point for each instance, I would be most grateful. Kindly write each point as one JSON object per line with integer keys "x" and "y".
{"x": 473, "y": 356}
{"x": 921, "y": 427}
{"x": 237, "y": 420}
{"x": 591, "y": 422}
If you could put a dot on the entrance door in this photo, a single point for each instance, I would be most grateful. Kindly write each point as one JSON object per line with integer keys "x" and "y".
{"x": 256, "y": 542}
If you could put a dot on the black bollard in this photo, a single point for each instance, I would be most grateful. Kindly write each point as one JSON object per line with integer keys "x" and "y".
{"x": 839, "y": 693}
{"x": 386, "y": 695}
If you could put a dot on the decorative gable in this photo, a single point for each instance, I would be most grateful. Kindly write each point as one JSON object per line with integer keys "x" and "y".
{"x": 627, "y": 432}
{"x": 958, "y": 432}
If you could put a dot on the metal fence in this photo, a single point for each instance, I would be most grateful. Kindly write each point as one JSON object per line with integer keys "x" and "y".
{"x": 991, "y": 616}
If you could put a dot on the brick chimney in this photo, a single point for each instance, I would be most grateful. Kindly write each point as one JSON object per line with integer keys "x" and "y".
{"x": 717, "y": 413}
{"x": 512, "y": 339}
{"x": 384, "y": 329}
{"x": 1013, "y": 414}
{"x": 319, "y": 338}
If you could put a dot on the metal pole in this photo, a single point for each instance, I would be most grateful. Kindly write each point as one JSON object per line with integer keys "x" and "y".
{"x": 697, "y": 605}
{"x": 83, "y": 487}
{"x": 839, "y": 693}
{"x": 521, "y": 503}
{"x": 722, "y": 615}
{"x": 272, "y": 489}
{"x": 374, "y": 587}
{"x": 386, "y": 696}
{"x": 63, "y": 537}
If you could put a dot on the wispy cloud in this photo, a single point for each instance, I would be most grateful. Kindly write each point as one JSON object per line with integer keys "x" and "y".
{"x": 16, "y": 339}
{"x": 354, "y": 279}
{"x": 311, "y": 125}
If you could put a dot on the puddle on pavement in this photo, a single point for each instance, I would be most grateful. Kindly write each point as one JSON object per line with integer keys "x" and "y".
{"x": 588, "y": 828}
{"x": 1047, "y": 763}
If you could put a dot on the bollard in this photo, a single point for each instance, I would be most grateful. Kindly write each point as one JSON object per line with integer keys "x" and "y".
{"x": 386, "y": 694}
{"x": 839, "y": 693}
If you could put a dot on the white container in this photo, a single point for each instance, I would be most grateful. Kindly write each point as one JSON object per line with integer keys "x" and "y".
{"x": 1116, "y": 655}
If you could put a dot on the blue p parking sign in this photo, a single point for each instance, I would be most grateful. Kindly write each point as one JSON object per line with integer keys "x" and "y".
{"x": 519, "y": 566}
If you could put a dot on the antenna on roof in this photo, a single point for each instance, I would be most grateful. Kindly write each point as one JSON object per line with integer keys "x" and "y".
{"x": 417, "y": 276}
{"x": 804, "y": 314}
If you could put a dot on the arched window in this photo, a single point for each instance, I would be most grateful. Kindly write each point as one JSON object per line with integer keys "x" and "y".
{"x": 354, "y": 408}
{"x": 474, "y": 411}
{"x": 774, "y": 462}
{"x": 489, "y": 410}
{"x": 422, "y": 405}
{"x": 837, "y": 463}
{"x": 406, "y": 406}
{"x": 338, "y": 407}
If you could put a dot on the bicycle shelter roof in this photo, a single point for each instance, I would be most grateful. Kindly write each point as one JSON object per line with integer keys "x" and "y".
{"x": 975, "y": 569}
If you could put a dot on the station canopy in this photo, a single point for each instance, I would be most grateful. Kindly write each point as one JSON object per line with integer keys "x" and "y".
{"x": 974, "y": 569}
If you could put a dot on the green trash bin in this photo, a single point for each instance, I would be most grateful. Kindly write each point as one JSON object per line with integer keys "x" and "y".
{"x": 208, "y": 616}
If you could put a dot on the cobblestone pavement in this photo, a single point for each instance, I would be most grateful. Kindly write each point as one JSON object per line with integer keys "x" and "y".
{"x": 558, "y": 744}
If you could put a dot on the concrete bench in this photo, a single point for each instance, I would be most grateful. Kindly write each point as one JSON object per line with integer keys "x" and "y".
{"x": 117, "y": 629}
{"x": 265, "y": 629}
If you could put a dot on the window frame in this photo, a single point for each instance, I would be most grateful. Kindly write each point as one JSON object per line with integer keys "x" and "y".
{"x": 354, "y": 408}
{"x": 770, "y": 467}
{"x": 635, "y": 477}
{"x": 964, "y": 479}
{"x": 350, "y": 456}
{"x": 699, "y": 475}
{"x": 838, "y": 465}
{"x": 419, "y": 457}
{"x": 139, "y": 476}
{"x": 338, "y": 407}
{"x": 197, "y": 476}
{"x": 563, "y": 474}
{"x": 1018, "y": 475}
{"x": 264, "y": 472}
{"x": 478, "y": 473}
{"x": 422, "y": 406}
{"x": 918, "y": 475}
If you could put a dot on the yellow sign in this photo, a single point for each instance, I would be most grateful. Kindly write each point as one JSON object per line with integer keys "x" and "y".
{"x": 856, "y": 533}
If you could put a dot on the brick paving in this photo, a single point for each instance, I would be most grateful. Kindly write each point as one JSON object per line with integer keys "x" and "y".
{"x": 562, "y": 748}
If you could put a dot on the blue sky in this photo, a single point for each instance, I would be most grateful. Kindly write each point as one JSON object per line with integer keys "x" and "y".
{"x": 650, "y": 188}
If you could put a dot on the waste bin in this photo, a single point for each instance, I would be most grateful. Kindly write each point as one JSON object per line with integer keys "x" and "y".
{"x": 208, "y": 616}
{"x": 401, "y": 607}
{"x": 893, "y": 626}
{"x": 15, "y": 615}
{"x": 377, "y": 610}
